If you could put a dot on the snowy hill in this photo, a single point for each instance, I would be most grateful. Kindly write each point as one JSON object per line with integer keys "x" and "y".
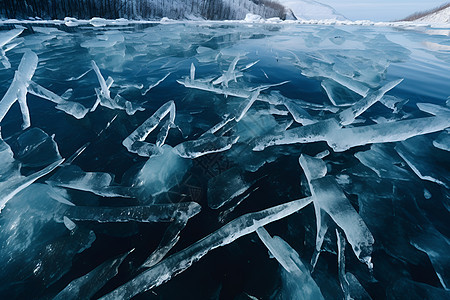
{"x": 441, "y": 16}
{"x": 438, "y": 15}
{"x": 312, "y": 10}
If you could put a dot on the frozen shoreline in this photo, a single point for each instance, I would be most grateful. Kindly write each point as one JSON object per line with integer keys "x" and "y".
{"x": 250, "y": 19}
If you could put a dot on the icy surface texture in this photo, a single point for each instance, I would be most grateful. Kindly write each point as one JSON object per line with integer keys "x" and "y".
{"x": 162, "y": 141}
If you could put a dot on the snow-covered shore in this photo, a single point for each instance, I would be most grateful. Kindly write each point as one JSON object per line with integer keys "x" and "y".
{"x": 250, "y": 19}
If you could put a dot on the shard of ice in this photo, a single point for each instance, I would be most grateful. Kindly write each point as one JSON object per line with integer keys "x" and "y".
{"x": 74, "y": 109}
{"x": 87, "y": 285}
{"x": 346, "y": 138}
{"x": 135, "y": 142}
{"x": 436, "y": 246}
{"x": 160, "y": 173}
{"x": 315, "y": 168}
{"x": 169, "y": 240}
{"x": 99, "y": 183}
{"x": 104, "y": 95}
{"x": 155, "y": 84}
{"x": 225, "y": 187}
{"x": 15, "y": 184}
{"x": 55, "y": 259}
{"x": 338, "y": 94}
{"x": 35, "y": 148}
{"x": 315, "y": 132}
{"x": 347, "y": 116}
{"x": 245, "y": 106}
{"x": 228, "y": 75}
{"x": 300, "y": 115}
{"x": 350, "y": 285}
{"x": 436, "y": 110}
{"x": 35, "y": 245}
{"x": 443, "y": 141}
{"x": 149, "y": 213}
{"x": 9, "y": 167}
{"x": 180, "y": 261}
{"x": 383, "y": 160}
{"x": 191, "y": 82}
{"x": 290, "y": 260}
{"x": 18, "y": 88}
{"x": 313, "y": 67}
{"x": 5, "y": 38}
{"x": 424, "y": 160}
{"x": 207, "y": 144}
{"x": 328, "y": 196}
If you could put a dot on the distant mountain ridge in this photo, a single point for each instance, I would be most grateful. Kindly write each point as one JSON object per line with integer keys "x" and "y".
{"x": 141, "y": 9}
{"x": 440, "y": 14}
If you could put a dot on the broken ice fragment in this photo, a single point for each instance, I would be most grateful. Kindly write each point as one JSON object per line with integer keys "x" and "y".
{"x": 104, "y": 95}
{"x": 384, "y": 161}
{"x": 180, "y": 261}
{"x": 5, "y": 38}
{"x": 99, "y": 183}
{"x": 228, "y": 75}
{"x": 350, "y": 285}
{"x": 443, "y": 141}
{"x": 300, "y": 115}
{"x": 35, "y": 148}
{"x": 245, "y": 106}
{"x": 69, "y": 223}
{"x": 74, "y": 109}
{"x": 18, "y": 88}
{"x": 14, "y": 185}
{"x": 425, "y": 160}
{"x": 169, "y": 240}
{"x": 346, "y": 138}
{"x": 160, "y": 173}
{"x": 436, "y": 246}
{"x": 330, "y": 198}
{"x": 205, "y": 145}
{"x": 338, "y": 94}
{"x": 316, "y": 132}
{"x": 291, "y": 262}
{"x": 155, "y": 84}
{"x": 349, "y": 115}
{"x": 86, "y": 286}
{"x": 135, "y": 142}
{"x": 315, "y": 168}
{"x": 434, "y": 109}
{"x": 149, "y": 213}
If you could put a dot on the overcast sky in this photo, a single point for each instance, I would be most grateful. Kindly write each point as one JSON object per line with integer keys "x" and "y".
{"x": 380, "y": 10}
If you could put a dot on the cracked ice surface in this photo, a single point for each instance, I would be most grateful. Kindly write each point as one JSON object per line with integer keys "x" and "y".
{"x": 130, "y": 152}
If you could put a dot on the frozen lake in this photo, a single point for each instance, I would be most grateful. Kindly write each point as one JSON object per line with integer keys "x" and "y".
{"x": 170, "y": 131}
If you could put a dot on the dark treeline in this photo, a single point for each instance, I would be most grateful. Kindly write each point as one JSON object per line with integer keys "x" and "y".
{"x": 139, "y": 9}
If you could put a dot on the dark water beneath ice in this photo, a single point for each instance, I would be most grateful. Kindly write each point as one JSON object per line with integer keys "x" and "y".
{"x": 136, "y": 56}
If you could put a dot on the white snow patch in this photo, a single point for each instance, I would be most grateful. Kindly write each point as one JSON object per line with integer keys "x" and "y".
{"x": 312, "y": 10}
